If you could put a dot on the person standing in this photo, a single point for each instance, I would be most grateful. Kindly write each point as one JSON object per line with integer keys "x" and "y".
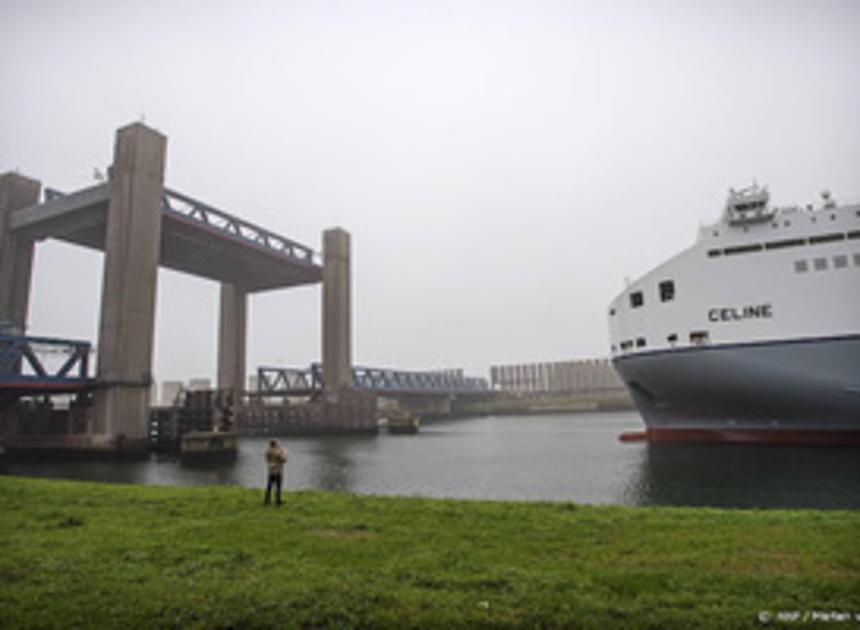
{"x": 276, "y": 457}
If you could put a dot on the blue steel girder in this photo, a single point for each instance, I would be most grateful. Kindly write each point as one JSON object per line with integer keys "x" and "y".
{"x": 22, "y": 369}
{"x": 284, "y": 381}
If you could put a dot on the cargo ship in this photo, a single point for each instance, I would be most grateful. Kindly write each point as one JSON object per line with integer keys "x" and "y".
{"x": 753, "y": 333}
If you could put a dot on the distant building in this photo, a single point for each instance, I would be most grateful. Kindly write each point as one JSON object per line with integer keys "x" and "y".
{"x": 197, "y": 384}
{"x": 588, "y": 376}
{"x": 170, "y": 392}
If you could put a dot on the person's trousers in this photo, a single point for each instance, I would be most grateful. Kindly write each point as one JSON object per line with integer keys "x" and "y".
{"x": 275, "y": 480}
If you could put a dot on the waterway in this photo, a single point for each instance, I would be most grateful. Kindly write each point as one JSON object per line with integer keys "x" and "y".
{"x": 563, "y": 457}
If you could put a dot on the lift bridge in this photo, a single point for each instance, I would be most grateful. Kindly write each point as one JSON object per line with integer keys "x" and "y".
{"x": 28, "y": 365}
{"x": 142, "y": 225}
{"x": 277, "y": 381}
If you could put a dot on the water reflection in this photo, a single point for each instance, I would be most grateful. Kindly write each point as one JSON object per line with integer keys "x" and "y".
{"x": 333, "y": 467}
{"x": 748, "y": 475}
{"x": 574, "y": 457}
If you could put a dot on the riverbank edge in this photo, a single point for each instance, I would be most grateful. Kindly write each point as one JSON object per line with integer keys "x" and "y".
{"x": 111, "y": 555}
{"x": 537, "y": 404}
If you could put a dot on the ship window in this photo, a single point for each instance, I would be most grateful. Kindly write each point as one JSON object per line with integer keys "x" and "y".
{"x": 712, "y": 253}
{"x": 820, "y": 264}
{"x": 699, "y": 337}
{"x": 667, "y": 290}
{"x": 672, "y": 339}
{"x": 640, "y": 342}
{"x": 827, "y": 238}
{"x": 636, "y": 299}
{"x": 801, "y": 266}
{"x": 794, "y": 242}
{"x": 611, "y": 312}
{"x": 787, "y": 223}
{"x": 857, "y": 259}
{"x": 854, "y": 234}
{"x": 613, "y": 347}
{"x": 742, "y": 249}
{"x": 626, "y": 345}
{"x": 840, "y": 262}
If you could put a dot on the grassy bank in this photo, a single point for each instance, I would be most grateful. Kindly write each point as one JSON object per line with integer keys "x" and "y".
{"x": 79, "y": 554}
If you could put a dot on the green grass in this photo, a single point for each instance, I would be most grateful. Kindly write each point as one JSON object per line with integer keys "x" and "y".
{"x": 83, "y": 554}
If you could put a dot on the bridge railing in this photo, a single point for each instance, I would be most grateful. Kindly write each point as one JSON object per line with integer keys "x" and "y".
{"x": 23, "y": 364}
{"x": 285, "y": 381}
{"x": 232, "y": 226}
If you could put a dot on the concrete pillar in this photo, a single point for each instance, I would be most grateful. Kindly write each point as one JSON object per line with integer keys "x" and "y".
{"x": 337, "y": 341}
{"x": 232, "y": 339}
{"x": 16, "y": 252}
{"x": 132, "y": 250}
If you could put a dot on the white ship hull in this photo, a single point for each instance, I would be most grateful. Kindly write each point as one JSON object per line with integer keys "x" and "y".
{"x": 756, "y": 339}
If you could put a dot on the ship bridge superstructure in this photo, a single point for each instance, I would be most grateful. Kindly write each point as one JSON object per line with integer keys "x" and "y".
{"x": 748, "y": 205}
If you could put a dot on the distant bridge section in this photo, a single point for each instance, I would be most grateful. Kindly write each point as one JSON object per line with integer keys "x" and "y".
{"x": 273, "y": 381}
{"x": 26, "y": 366}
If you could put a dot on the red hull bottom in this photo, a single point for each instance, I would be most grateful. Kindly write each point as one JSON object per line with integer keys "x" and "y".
{"x": 749, "y": 436}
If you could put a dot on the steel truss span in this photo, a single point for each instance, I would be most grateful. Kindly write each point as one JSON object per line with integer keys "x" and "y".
{"x": 276, "y": 381}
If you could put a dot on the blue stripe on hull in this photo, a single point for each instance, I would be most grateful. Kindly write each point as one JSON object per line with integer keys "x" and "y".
{"x": 813, "y": 385}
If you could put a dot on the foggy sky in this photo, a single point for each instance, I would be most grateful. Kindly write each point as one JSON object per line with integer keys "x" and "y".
{"x": 501, "y": 166}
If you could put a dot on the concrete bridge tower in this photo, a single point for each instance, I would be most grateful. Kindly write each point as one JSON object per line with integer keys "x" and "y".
{"x": 132, "y": 249}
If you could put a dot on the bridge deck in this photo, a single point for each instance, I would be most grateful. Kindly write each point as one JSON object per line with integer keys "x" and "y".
{"x": 195, "y": 238}
{"x": 39, "y": 386}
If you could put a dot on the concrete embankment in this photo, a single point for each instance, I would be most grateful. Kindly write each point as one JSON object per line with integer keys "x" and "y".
{"x": 506, "y": 404}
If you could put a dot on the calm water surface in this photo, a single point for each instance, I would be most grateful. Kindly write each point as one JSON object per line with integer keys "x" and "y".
{"x": 565, "y": 457}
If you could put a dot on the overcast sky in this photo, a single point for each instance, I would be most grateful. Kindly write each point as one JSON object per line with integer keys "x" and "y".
{"x": 501, "y": 166}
